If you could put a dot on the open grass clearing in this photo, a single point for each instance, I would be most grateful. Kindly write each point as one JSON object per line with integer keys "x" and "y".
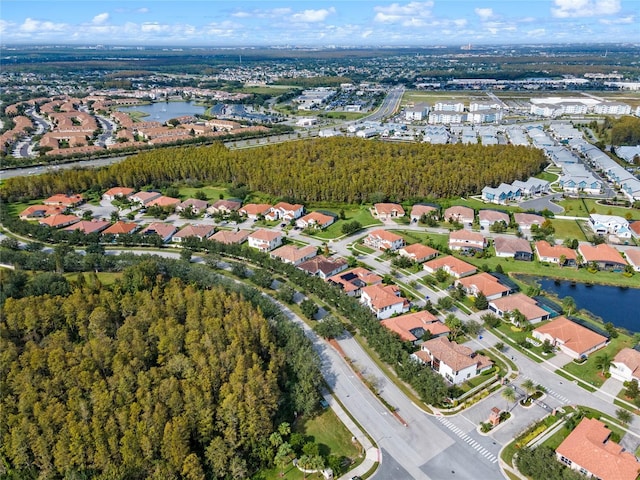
{"x": 212, "y": 193}
{"x": 358, "y": 214}
{"x": 568, "y": 229}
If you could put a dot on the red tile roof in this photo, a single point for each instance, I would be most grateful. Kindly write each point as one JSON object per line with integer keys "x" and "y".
{"x": 524, "y": 304}
{"x": 404, "y": 324}
{"x": 485, "y": 283}
{"x": 120, "y": 228}
{"x": 59, "y": 220}
{"x": 66, "y": 200}
{"x": 600, "y": 253}
{"x": 417, "y": 251}
{"x": 544, "y": 249}
{"x": 89, "y": 226}
{"x": 451, "y": 263}
{"x": 389, "y": 209}
{"x": 228, "y": 237}
{"x": 163, "y": 201}
{"x": 383, "y": 295}
{"x": 119, "y": 191}
{"x": 589, "y": 447}
{"x": 265, "y": 235}
{"x": 452, "y": 354}
{"x": 574, "y": 337}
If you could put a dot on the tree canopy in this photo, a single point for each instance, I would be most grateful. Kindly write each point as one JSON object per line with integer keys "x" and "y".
{"x": 152, "y": 378}
{"x": 335, "y": 169}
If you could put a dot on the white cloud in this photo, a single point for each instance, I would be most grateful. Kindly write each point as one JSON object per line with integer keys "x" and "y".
{"x": 313, "y": 16}
{"x": 258, "y": 13}
{"x": 142, "y": 10}
{"x": 36, "y": 26}
{"x": 618, "y": 21}
{"x": 484, "y": 13}
{"x": 537, "y": 32}
{"x": 100, "y": 18}
{"x": 460, "y": 22}
{"x": 366, "y": 34}
{"x": 585, "y": 8}
{"x": 408, "y": 14}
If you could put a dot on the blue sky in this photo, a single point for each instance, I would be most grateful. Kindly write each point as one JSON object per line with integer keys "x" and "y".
{"x": 324, "y": 23}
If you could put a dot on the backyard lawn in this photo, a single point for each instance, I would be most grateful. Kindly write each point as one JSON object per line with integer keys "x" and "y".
{"x": 588, "y": 370}
{"x": 568, "y": 229}
{"x": 212, "y": 193}
{"x": 359, "y": 214}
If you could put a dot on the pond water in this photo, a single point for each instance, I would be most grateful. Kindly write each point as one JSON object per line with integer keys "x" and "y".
{"x": 620, "y": 306}
{"x": 163, "y": 111}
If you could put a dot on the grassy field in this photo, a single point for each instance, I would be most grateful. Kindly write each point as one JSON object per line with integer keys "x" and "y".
{"x": 106, "y": 278}
{"x": 351, "y": 213}
{"x": 584, "y": 207}
{"x": 329, "y": 433}
{"x": 588, "y": 370}
{"x": 568, "y": 229}
{"x": 343, "y": 115}
{"x": 412, "y": 96}
{"x": 411, "y": 236}
{"x": 212, "y": 193}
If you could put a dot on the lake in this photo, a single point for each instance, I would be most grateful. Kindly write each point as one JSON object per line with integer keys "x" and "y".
{"x": 620, "y": 306}
{"x": 163, "y": 111}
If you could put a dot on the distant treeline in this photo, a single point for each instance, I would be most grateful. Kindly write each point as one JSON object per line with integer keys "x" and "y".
{"x": 336, "y": 170}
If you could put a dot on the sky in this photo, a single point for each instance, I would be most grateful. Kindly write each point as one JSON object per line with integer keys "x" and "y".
{"x": 220, "y": 23}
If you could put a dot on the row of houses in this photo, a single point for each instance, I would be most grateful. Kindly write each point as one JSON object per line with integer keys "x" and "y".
{"x": 518, "y": 190}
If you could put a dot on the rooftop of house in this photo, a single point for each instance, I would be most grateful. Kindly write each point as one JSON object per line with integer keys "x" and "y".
{"x": 524, "y": 219}
{"x": 466, "y": 235}
{"x": 287, "y": 207}
{"x": 631, "y": 358}
{"x": 228, "y": 237}
{"x": 265, "y": 235}
{"x": 388, "y": 208}
{"x": 383, "y": 295}
{"x": 255, "y": 208}
{"x": 293, "y": 253}
{"x": 519, "y": 301}
{"x": 511, "y": 245}
{"x": 418, "y": 209}
{"x": 456, "y": 356}
{"x": 120, "y": 228}
{"x": 452, "y": 263}
{"x": 600, "y": 253}
{"x": 317, "y": 217}
{"x": 484, "y": 282}
{"x": 385, "y": 235}
{"x": 162, "y": 229}
{"x": 418, "y": 250}
{"x": 545, "y": 249}
{"x": 493, "y": 216}
{"x": 201, "y": 231}
{"x": 322, "y": 264}
{"x": 459, "y": 211}
{"x": 588, "y": 446}
{"x": 119, "y": 191}
{"x": 406, "y": 325}
{"x": 575, "y": 337}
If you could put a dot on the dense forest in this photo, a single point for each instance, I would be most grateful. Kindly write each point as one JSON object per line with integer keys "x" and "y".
{"x": 151, "y": 378}
{"x": 335, "y": 169}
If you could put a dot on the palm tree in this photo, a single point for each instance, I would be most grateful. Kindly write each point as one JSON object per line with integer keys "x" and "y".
{"x": 604, "y": 361}
{"x": 529, "y": 387}
{"x": 624, "y": 416}
{"x": 509, "y": 394}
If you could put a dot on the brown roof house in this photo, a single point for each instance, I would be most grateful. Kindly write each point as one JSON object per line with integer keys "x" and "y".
{"x": 293, "y": 254}
{"x": 605, "y": 256}
{"x": 384, "y": 240}
{"x": 228, "y": 237}
{"x": 418, "y": 253}
{"x": 164, "y": 230}
{"x": 201, "y": 232}
{"x": 384, "y": 300}
{"x": 353, "y": 281}
{"x": 285, "y": 211}
{"x": 486, "y": 283}
{"x": 197, "y": 206}
{"x": 573, "y": 339}
{"x": 452, "y": 265}
{"x": 59, "y": 220}
{"x": 385, "y": 211}
{"x": 254, "y": 210}
{"x": 633, "y": 257}
{"x": 412, "y": 327}
{"x": 323, "y": 267}
{"x": 85, "y": 226}
{"x": 626, "y": 365}
{"x": 315, "y": 220}
{"x": 486, "y": 218}
{"x": 526, "y": 220}
{"x": 556, "y": 254}
{"x": 504, "y": 306}
{"x": 454, "y": 362}
{"x": 224, "y": 207}
{"x": 115, "y": 192}
{"x": 418, "y": 210}
{"x": 265, "y": 240}
{"x": 513, "y": 247}
{"x": 64, "y": 200}
{"x": 467, "y": 241}
{"x": 589, "y": 450}
{"x": 121, "y": 228}
{"x": 464, "y": 215}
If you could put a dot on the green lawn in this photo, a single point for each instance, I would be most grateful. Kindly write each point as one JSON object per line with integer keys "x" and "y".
{"x": 329, "y": 433}
{"x": 548, "y": 176}
{"x": 412, "y": 236}
{"x": 351, "y": 213}
{"x": 212, "y": 193}
{"x": 568, "y": 229}
{"x": 584, "y": 207}
{"x": 588, "y": 370}
{"x": 106, "y": 278}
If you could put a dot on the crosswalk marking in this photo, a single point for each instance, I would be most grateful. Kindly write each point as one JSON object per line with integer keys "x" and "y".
{"x": 562, "y": 398}
{"x": 470, "y": 441}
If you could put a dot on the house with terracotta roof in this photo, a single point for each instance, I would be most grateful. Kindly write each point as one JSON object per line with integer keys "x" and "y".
{"x": 384, "y": 300}
{"x": 229, "y": 237}
{"x": 418, "y": 253}
{"x": 353, "y": 281}
{"x": 265, "y": 240}
{"x": 293, "y": 254}
{"x": 315, "y": 220}
{"x": 504, "y": 306}
{"x": 513, "y": 247}
{"x": 285, "y": 211}
{"x": 605, "y": 256}
{"x": 224, "y": 207}
{"x": 143, "y": 198}
{"x": 573, "y": 339}
{"x": 40, "y": 211}
{"x": 464, "y": 215}
{"x": 412, "y": 327}
{"x": 164, "y": 230}
{"x": 323, "y": 267}
{"x": 486, "y": 218}
{"x": 626, "y": 365}
{"x": 64, "y": 200}
{"x": 164, "y": 202}
{"x": 589, "y": 450}
{"x": 526, "y": 220}
{"x": 556, "y": 254}
{"x": 384, "y": 240}
{"x": 201, "y": 232}
{"x": 115, "y": 192}
{"x": 59, "y": 220}
{"x": 452, "y": 265}
{"x": 121, "y": 228}
{"x": 418, "y": 210}
{"x": 254, "y": 210}
{"x": 635, "y": 228}
{"x": 633, "y": 258}
{"x": 467, "y": 241}
{"x": 456, "y": 363}
{"x": 93, "y": 226}
{"x": 197, "y": 206}
{"x": 486, "y": 283}
{"x": 385, "y": 211}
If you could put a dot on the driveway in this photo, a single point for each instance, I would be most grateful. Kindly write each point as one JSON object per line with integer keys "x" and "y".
{"x": 539, "y": 204}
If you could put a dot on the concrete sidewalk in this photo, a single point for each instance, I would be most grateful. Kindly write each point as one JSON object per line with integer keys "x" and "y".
{"x": 372, "y": 453}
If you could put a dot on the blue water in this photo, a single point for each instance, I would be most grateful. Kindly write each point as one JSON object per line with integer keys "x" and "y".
{"x": 620, "y": 306}
{"x": 163, "y": 111}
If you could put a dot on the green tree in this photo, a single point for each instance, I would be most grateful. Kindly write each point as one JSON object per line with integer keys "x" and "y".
{"x": 509, "y": 394}
{"x": 455, "y": 325}
{"x": 568, "y": 305}
{"x": 309, "y": 308}
{"x": 603, "y": 362}
{"x": 529, "y": 386}
{"x": 624, "y": 416}
{"x": 481, "y": 301}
